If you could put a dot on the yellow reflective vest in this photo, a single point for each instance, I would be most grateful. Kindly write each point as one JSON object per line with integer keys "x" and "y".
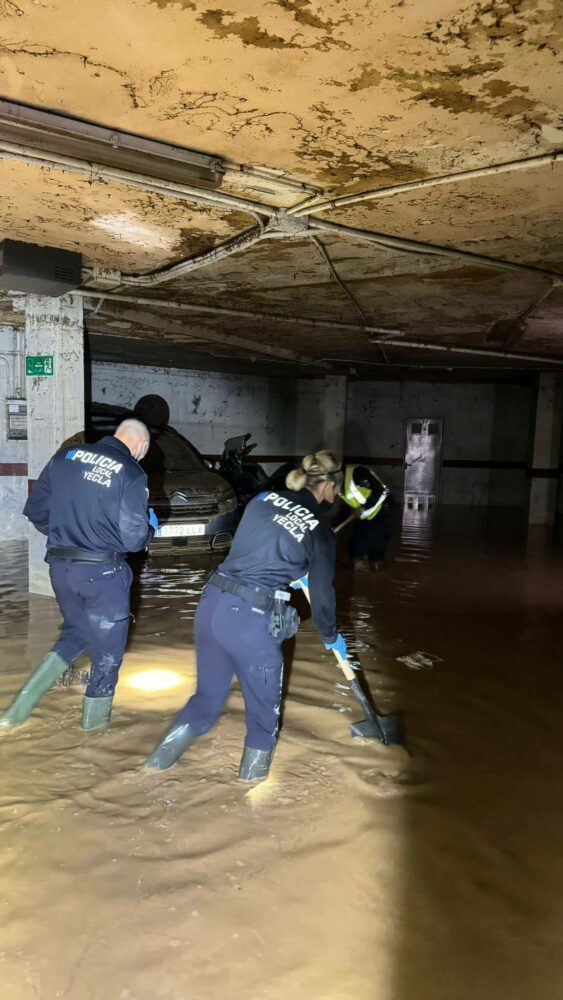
{"x": 359, "y": 496}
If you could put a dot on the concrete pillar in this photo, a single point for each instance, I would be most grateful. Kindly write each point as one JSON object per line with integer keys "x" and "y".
{"x": 53, "y": 328}
{"x": 544, "y": 473}
{"x": 13, "y": 435}
{"x": 513, "y": 419}
{"x": 335, "y": 397}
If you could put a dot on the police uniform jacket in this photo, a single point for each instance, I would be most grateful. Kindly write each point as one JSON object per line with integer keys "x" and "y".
{"x": 92, "y": 497}
{"x": 280, "y": 539}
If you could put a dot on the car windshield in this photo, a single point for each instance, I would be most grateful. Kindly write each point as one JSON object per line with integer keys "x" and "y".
{"x": 168, "y": 453}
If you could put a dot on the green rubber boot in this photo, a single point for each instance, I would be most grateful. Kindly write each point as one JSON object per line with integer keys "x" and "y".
{"x": 96, "y": 712}
{"x": 172, "y": 745}
{"x": 48, "y": 671}
{"x": 255, "y": 764}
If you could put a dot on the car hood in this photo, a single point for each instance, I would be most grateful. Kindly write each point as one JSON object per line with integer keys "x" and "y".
{"x": 191, "y": 484}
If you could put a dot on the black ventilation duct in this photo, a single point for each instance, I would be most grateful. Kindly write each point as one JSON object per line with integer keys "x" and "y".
{"x": 26, "y": 267}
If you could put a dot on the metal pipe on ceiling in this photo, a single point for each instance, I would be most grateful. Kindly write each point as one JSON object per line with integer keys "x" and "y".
{"x": 319, "y": 205}
{"x": 14, "y": 361}
{"x": 87, "y": 141}
{"x": 9, "y": 364}
{"x": 256, "y": 210}
{"x": 97, "y": 171}
{"x": 224, "y": 250}
{"x": 20, "y": 369}
{"x": 175, "y": 328}
{"x": 387, "y": 339}
{"x": 241, "y": 313}
{"x": 425, "y": 345}
{"x": 327, "y": 259}
{"x": 397, "y": 243}
{"x": 423, "y": 366}
{"x": 516, "y": 325}
{"x": 349, "y": 295}
{"x": 186, "y": 192}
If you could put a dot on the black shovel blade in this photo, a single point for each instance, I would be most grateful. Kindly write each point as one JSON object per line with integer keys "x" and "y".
{"x": 387, "y": 729}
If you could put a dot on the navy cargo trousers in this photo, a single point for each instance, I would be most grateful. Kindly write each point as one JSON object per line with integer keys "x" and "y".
{"x": 94, "y": 600}
{"x": 232, "y": 639}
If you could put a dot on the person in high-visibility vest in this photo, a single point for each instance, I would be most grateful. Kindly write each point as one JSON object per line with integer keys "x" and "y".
{"x": 364, "y": 491}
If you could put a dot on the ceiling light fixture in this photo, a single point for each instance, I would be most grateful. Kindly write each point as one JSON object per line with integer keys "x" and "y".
{"x": 110, "y": 147}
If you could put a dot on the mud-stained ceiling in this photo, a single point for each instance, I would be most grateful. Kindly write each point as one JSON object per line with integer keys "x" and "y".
{"x": 304, "y": 102}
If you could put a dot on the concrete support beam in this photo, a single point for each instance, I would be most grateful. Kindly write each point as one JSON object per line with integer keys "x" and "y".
{"x": 335, "y": 400}
{"x": 544, "y": 473}
{"x": 53, "y": 328}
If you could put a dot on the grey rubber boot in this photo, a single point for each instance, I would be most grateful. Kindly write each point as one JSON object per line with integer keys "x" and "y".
{"x": 255, "y": 764}
{"x": 41, "y": 680}
{"x": 172, "y": 745}
{"x": 96, "y": 712}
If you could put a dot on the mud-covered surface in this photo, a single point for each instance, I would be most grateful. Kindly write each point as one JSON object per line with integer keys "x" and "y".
{"x": 354, "y": 872}
{"x": 296, "y": 97}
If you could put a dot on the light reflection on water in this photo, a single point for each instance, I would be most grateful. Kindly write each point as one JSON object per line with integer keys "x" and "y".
{"x": 417, "y": 535}
{"x": 171, "y": 588}
{"x": 392, "y": 594}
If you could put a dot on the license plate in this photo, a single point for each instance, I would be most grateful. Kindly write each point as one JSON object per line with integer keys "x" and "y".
{"x": 179, "y": 530}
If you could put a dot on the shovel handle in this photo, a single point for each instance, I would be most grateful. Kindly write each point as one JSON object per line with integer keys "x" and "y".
{"x": 345, "y": 667}
{"x": 355, "y": 686}
{"x": 342, "y": 662}
{"x": 353, "y": 517}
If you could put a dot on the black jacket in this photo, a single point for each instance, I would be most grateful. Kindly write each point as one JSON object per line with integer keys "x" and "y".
{"x": 93, "y": 497}
{"x": 281, "y": 539}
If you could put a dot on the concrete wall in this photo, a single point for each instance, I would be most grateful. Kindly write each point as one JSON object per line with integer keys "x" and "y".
{"x": 377, "y": 416}
{"x": 511, "y": 442}
{"x": 13, "y": 454}
{"x": 485, "y": 426}
{"x": 208, "y": 407}
{"x": 482, "y": 423}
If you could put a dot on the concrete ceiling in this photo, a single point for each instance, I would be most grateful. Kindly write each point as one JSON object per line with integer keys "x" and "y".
{"x": 332, "y": 99}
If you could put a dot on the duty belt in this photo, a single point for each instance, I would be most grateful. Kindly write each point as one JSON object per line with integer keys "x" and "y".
{"x": 259, "y": 597}
{"x": 76, "y": 554}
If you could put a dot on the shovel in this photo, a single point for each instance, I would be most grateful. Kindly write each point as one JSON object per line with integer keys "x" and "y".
{"x": 385, "y": 728}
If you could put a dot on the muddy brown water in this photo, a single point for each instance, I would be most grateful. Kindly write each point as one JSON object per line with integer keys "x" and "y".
{"x": 354, "y": 872}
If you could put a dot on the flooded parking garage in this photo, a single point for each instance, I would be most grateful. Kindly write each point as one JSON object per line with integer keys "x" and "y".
{"x": 355, "y": 870}
{"x": 308, "y": 238}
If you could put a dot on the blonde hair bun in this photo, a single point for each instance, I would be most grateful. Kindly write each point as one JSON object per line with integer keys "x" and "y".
{"x": 315, "y": 468}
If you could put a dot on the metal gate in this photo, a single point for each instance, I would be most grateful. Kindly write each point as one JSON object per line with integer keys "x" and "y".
{"x": 422, "y": 464}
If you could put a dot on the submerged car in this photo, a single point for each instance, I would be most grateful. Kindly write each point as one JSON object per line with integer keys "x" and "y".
{"x": 195, "y": 506}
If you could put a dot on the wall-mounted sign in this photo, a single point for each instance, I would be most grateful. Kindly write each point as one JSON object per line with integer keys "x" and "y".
{"x": 39, "y": 364}
{"x": 16, "y": 422}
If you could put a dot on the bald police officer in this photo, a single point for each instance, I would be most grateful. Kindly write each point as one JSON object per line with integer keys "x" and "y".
{"x": 91, "y": 502}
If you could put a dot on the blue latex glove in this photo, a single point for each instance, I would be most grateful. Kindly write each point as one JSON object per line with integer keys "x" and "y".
{"x": 153, "y": 519}
{"x": 339, "y": 646}
{"x": 299, "y": 584}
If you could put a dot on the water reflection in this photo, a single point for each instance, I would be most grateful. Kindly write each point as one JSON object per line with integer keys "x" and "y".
{"x": 14, "y": 599}
{"x": 417, "y": 533}
{"x": 435, "y": 879}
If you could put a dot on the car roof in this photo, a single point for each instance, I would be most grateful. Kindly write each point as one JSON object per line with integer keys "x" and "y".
{"x": 100, "y": 416}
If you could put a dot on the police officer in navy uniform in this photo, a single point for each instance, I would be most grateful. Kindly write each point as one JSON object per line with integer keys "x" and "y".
{"x": 91, "y": 502}
{"x": 244, "y": 616}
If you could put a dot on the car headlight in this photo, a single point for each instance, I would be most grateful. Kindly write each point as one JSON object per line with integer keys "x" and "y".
{"x": 227, "y": 503}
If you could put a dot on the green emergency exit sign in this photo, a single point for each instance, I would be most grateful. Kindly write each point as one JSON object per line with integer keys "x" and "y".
{"x": 39, "y": 364}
